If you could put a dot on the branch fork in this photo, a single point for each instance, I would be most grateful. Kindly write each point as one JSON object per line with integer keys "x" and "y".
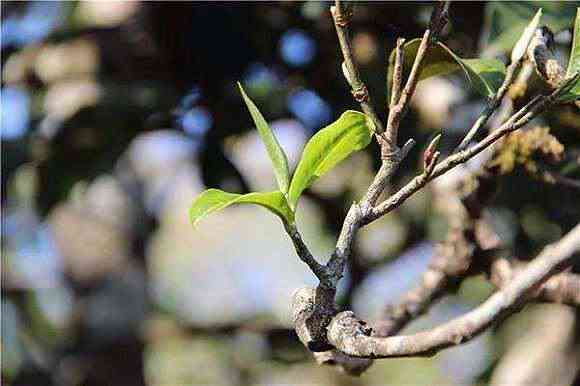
{"x": 340, "y": 338}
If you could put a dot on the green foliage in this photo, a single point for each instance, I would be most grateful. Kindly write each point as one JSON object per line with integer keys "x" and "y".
{"x": 275, "y": 151}
{"x": 506, "y": 20}
{"x": 213, "y": 200}
{"x": 324, "y": 151}
{"x": 327, "y": 148}
{"x": 574, "y": 62}
{"x": 523, "y": 42}
{"x": 485, "y": 75}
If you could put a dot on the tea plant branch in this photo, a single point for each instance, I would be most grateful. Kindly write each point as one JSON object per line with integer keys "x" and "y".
{"x": 316, "y": 322}
{"x": 449, "y": 264}
{"x": 537, "y": 50}
{"x": 303, "y": 252}
{"x": 319, "y": 309}
{"x": 519, "y": 119}
{"x": 563, "y": 288}
{"x": 453, "y": 261}
{"x": 492, "y": 104}
{"x": 352, "y": 336}
{"x": 391, "y": 154}
{"x": 397, "y": 73}
{"x": 342, "y": 14}
{"x": 400, "y": 103}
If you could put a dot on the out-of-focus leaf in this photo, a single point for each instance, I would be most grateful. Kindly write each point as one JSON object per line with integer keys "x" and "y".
{"x": 275, "y": 151}
{"x": 436, "y": 62}
{"x": 574, "y": 62}
{"x": 492, "y": 71}
{"x": 327, "y": 148}
{"x": 505, "y": 21}
{"x": 485, "y": 75}
{"x": 213, "y": 200}
{"x": 523, "y": 42}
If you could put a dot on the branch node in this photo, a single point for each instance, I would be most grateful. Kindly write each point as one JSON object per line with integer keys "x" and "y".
{"x": 361, "y": 94}
{"x": 407, "y": 148}
{"x": 342, "y": 17}
{"x": 312, "y": 310}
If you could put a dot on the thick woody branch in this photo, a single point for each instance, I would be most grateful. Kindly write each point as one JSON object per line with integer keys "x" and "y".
{"x": 449, "y": 265}
{"x": 562, "y": 288}
{"x": 312, "y": 310}
{"x": 351, "y": 335}
{"x": 347, "y": 364}
{"x": 315, "y": 318}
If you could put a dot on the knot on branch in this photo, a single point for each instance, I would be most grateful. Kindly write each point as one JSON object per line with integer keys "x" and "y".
{"x": 346, "y": 325}
{"x": 541, "y": 55}
{"x": 390, "y": 152}
{"x": 360, "y": 94}
{"x": 439, "y": 19}
{"x": 312, "y": 310}
{"x": 343, "y": 16}
{"x": 349, "y": 365}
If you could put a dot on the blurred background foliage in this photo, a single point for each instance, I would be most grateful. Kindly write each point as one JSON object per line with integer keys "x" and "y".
{"x": 116, "y": 114}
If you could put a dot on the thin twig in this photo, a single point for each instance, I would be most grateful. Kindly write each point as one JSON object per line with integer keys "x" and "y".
{"x": 492, "y": 105}
{"x": 304, "y": 253}
{"x": 397, "y": 73}
{"x": 359, "y": 90}
{"x": 398, "y": 110}
{"x": 519, "y": 119}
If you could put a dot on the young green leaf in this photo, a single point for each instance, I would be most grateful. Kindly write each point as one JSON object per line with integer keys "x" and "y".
{"x": 436, "y": 62}
{"x": 504, "y": 21}
{"x": 485, "y": 75}
{"x": 213, "y": 200}
{"x": 521, "y": 46}
{"x": 574, "y": 62}
{"x": 275, "y": 151}
{"x": 327, "y": 148}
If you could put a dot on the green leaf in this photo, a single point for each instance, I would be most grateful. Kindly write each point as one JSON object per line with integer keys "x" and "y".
{"x": 505, "y": 21}
{"x": 491, "y": 71}
{"x": 213, "y": 200}
{"x": 523, "y": 42}
{"x": 436, "y": 62}
{"x": 327, "y": 148}
{"x": 275, "y": 151}
{"x": 574, "y": 62}
{"x": 485, "y": 75}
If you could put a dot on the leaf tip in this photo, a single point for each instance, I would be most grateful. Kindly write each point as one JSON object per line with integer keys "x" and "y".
{"x": 240, "y": 87}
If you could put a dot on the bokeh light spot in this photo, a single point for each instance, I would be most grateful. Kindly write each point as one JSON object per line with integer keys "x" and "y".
{"x": 14, "y": 114}
{"x": 310, "y": 108}
{"x": 297, "y": 48}
{"x": 196, "y": 121}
